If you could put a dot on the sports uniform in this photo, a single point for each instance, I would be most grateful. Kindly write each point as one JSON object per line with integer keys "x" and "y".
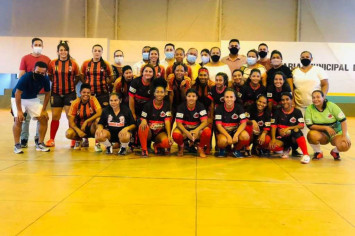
{"x": 217, "y": 96}
{"x": 274, "y": 94}
{"x": 230, "y": 119}
{"x": 249, "y": 94}
{"x": 141, "y": 92}
{"x": 122, "y": 86}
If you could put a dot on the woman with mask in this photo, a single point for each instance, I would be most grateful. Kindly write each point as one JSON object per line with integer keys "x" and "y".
{"x": 215, "y": 65}
{"x": 191, "y": 57}
{"x": 205, "y": 56}
{"x": 154, "y": 61}
{"x": 64, "y": 74}
{"x": 252, "y": 58}
{"x": 327, "y": 124}
{"x": 276, "y": 63}
{"x": 122, "y": 84}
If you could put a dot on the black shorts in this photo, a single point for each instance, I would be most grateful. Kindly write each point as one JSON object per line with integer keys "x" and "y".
{"x": 62, "y": 100}
{"x": 114, "y": 135}
{"x": 103, "y": 99}
{"x": 88, "y": 132}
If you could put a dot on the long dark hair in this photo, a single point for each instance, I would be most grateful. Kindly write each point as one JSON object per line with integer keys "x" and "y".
{"x": 202, "y": 91}
{"x": 225, "y": 77}
{"x": 324, "y": 105}
{"x": 251, "y": 72}
{"x": 64, "y": 44}
{"x": 285, "y": 85}
{"x": 254, "y": 106}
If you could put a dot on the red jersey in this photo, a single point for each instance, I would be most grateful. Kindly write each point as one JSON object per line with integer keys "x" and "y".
{"x": 63, "y": 74}
{"x": 95, "y": 74}
{"x": 28, "y": 62}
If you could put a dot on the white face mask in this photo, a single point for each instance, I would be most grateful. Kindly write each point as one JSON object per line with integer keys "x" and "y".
{"x": 119, "y": 60}
{"x": 37, "y": 50}
{"x": 205, "y": 59}
{"x": 276, "y": 62}
{"x": 251, "y": 61}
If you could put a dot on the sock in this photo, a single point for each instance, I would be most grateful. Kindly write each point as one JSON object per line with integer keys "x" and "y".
{"x": 241, "y": 144}
{"x": 315, "y": 147}
{"x": 179, "y": 139}
{"x": 277, "y": 149}
{"x": 143, "y": 136}
{"x": 106, "y": 143}
{"x": 335, "y": 149}
{"x": 124, "y": 145}
{"x": 205, "y": 137}
{"x": 54, "y": 128}
{"x": 163, "y": 144}
{"x": 301, "y": 141}
{"x": 249, "y": 130}
{"x": 267, "y": 142}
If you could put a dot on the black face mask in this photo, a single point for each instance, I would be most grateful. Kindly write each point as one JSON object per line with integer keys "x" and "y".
{"x": 262, "y": 54}
{"x": 305, "y": 62}
{"x": 38, "y": 76}
{"x": 215, "y": 58}
{"x": 234, "y": 51}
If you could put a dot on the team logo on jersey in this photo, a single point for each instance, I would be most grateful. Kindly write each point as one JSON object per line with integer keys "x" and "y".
{"x": 293, "y": 120}
{"x": 301, "y": 120}
{"x": 218, "y": 117}
{"x": 144, "y": 114}
{"x": 330, "y": 116}
{"x": 109, "y": 118}
{"x": 70, "y": 68}
{"x": 196, "y": 115}
{"x": 122, "y": 120}
{"x": 162, "y": 114}
{"x": 222, "y": 99}
{"x": 234, "y": 116}
{"x": 260, "y": 123}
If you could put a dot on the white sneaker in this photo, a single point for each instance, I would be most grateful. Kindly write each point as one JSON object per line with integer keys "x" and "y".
{"x": 42, "y": 148}
{"x": 285, "y": 153}
{"x": 305, "y": 159}
{"x": 98, "y": 148}
{"x": 18, "y": 148}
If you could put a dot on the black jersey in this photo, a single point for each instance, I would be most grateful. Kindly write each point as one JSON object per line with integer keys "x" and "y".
{"x": 218, "y": 97}
{"x": 141, "y": 93}
{"x": 282, "y": 119}
{"x": 230, "y": 119}
{"x": 249, "y": 93}
{"x": 156, "y": 116}
{"x": 237, "y": 89}
{"x": 272, "y": 71}
{"x": 115, "y": 123}
{"x": 262, "y": 119}
{"x": 274, "y": 94}
{"x": 191, "y": 118}
{"x": 204, "y": 95}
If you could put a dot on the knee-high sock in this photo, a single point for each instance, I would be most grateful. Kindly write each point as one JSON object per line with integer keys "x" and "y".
{"x": 178, "y": 138}
{"x": 54, "y": 128}
{"x": 241, "y": 144}
{"x": 301, "y": 141}
{"x": 267, "y": 142}
{"x": 163, "y": 144}
{"x": 205, "y": 137}
{"x": 143, "y": 136}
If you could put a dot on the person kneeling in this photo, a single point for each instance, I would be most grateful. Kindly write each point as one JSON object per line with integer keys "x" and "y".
{"x": 115, "y": 125}
{"x": 327, "y": 124}
{"x": 83, "y": 116}
{"x": 191, "y": 123}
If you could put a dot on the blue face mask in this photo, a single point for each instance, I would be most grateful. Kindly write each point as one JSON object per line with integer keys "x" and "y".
{"x": 145, "y": 56}
{"x": 191, "y": 58}
{"x": 251, "y": 61}
{"x": 205, "y": 59}
{"x": 169, "y": 55}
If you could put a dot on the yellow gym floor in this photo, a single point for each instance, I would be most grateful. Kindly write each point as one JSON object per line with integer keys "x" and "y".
{"x": 67, "y": 192}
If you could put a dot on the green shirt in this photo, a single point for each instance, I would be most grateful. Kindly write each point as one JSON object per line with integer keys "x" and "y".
{"x": 331, "y": 116}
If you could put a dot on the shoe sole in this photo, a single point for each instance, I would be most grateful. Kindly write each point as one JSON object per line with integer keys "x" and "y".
{"x": 40, "y": 150}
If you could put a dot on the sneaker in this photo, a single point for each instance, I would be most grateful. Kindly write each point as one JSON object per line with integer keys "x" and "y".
{"x": 42, "y": 148}
{"x": 192, "y": 149}
{"x": 221, "y": 153}
{"x": 97, "y": 147}
{"x": 24, "y": 143}
{"x": 296, "y": 153}
{"x": 305, "y": 159}
{"x": 37, "y": 141}
{"x": 201, "y": 152}
{"x": 85, "y": 142}
{"x": 18, "y": 148}
{"x": 285, "y": 154}
{"x": 109, "y": 150}
{"x": 247, "y": 153}
{"x": 122, "y": 151}
{"x": 144, "y": 154}
{"x": 77, "y": 144}
{"x": 237, "y": 154}
{"x": 180, "y": 151}
{"x": 335, "y": 155}
{"x": 50, "y": 143}
{"x": 317, "y": 155}
{"x": 72, "y": 144}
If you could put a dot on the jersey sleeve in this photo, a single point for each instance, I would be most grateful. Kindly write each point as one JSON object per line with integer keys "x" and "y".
{"x": 241, "y": 114}
{"x": 275, "y": 119}
{"x": 133, "y": 88}
{"x": 109, "y": 70}
{"x": 180, "y": 113}
{"x": 96, "y": 104}
{"x": 337, "y": 112}
{"x": 23, "y": 64}
{"x": 288, "y": 73}
{"x": 51, "y": 67}
{"x": 299, "y": 117}
{"x": 84, "y": 67}
{"x": 308, "y": 116}
{"x": 22, "y": 83}
{"x": 167, "y": 111}
{"x": 269, "y": 93}
{"x": 74, "y": 108}
{"x": 75, "y": 68}
{"x": 170, "y": 80}
{"x": 202, "y": 112}
{"x": 103, "y": 118}
{"x": 218, "y": 115}
{"x": 145, "y": 111}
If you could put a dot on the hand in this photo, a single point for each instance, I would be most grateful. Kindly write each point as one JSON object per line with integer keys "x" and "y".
{"x": 195, "y": 133}
{"x": 262, "y": 139}
{"x": 20, "y": 116}
{"x": 272, "y": 144}
{"x": 83, "y": 126}
{"x": 44, "y": 114}
{"x": 183, "y": 83}
{"x": 98, "y": 133}
{"x": 123, "y": 133}
{"x": 229, "y": 140}
{"x": 81, "y": 134}
{"x": 143, "y": 124}
{"x": 256, "y": 128}
{"x": 171, "y": 141}
{"x": 235, "y": 138}
{"x": 190, "y": 136}
{"x": 330, "y": 131}
{"x": 346, "y": 140}
{"x": 283, "y": 132}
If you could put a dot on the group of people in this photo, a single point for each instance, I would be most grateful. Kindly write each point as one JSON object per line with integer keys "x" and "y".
{"x": 251, "y": 105}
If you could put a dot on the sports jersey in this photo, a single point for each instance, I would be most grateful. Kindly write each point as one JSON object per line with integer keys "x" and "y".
{"x": 156, "y": 116}
{"x": 115, "y": 123}
{"x": 331, "y": 116}
{"x": 159, "y": 70}
{"x": 272, "y": 71}
{"x": 141, "y": 93}
{"x": 191, "y": 118}
{"x": 122, "y": 86}
{"x": 249, "y": 93}
{"x": 204, "y": 95}
{"x": 95, "y": 74}
{"x": 174, "y": 85}
{"x": 217, "y": 96}
{"x": 274, "y": 94}
{"x": 262, "y": 119}
{"x": 63, "y": 73}
{"x": 83, "y": 111}
{"x": 30, "y": 87}
{"x": 237, "y": 88}
{"x": 117, "y": 71}
{"x": 282, "y": 119}
{"x": 230, "y": 119}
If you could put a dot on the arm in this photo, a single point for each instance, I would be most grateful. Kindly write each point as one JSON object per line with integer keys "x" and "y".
{"x": 168, "y": 130}
{"x": 171, "y": 98}
{"x": 324, "y": 84}
{"x": 21, "y": 73}
{"x": 239, "y": 130}
{"x": 184, "y": 131}
{"x": 131, "y": 107}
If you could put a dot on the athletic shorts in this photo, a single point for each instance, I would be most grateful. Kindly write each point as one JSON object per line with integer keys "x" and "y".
{"x": 62, "y": 100}
{"x": 33, "y": 107}
{"x": 114, "y": 135}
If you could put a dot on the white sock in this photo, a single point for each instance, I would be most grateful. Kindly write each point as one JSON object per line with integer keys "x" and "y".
{"x": 315, "y": 147}
{"x": 335, "y": 150}
{"x": 106, "y": 143}
{"x": 124, "y": 145}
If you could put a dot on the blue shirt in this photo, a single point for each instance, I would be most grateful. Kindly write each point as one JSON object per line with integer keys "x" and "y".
{"x": 30, "y": 86}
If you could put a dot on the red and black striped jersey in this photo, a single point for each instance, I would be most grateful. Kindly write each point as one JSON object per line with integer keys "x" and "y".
{"x": 95, "y": 74}
{"x": 63, "y": 75}
{"x": 191, "y": 118}
{"x": 230, "y": 119}
{"x": 83, "y": 111}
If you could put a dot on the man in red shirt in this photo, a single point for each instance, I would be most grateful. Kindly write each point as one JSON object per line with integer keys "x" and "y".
{"x": 27, "y": 65}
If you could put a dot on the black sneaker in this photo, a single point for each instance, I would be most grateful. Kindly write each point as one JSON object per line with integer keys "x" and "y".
{"x": 295, "y": 153}
{"x": 36, "y": 140}
{"x": 317, "y": 156}
{"x": 109, "y": 150}
{"x": 24, "y": 143}
{"x": 122, "y": 151}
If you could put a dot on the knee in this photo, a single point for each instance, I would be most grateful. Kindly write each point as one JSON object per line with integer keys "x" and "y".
{"x": 125, "y": 138}
{"x": 70, "y": 134}
{"x": 165, "y": 143}
{"x": 244, "y": 136}
{"x": 221, "y": 141}
{"x": 312, "y": 137}
{"x": 343, "y": 146}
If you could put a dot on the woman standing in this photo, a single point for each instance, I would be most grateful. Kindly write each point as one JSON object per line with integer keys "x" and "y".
{"x": 252, "y": 58}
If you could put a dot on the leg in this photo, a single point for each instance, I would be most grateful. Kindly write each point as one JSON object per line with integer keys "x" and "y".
{"x": 243, "y": 140}
{"x": 205, "y": 138}
{"x": 144, "y": 136}
{"x": 179, "y": 137}
{"x": 341, "y": 143}
{"x": 56, "y": 114}
{"x": 72, "y": 135}
{"x": 43, "y": 123}
{"x": 16, "y": 129}
{"x": 124, "y": 140}
{"x": 25, "y": 129}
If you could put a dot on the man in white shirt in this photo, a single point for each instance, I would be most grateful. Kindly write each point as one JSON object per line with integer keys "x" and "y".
{"x": 137, "y": 67}
{"x": 169, "y": 51}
